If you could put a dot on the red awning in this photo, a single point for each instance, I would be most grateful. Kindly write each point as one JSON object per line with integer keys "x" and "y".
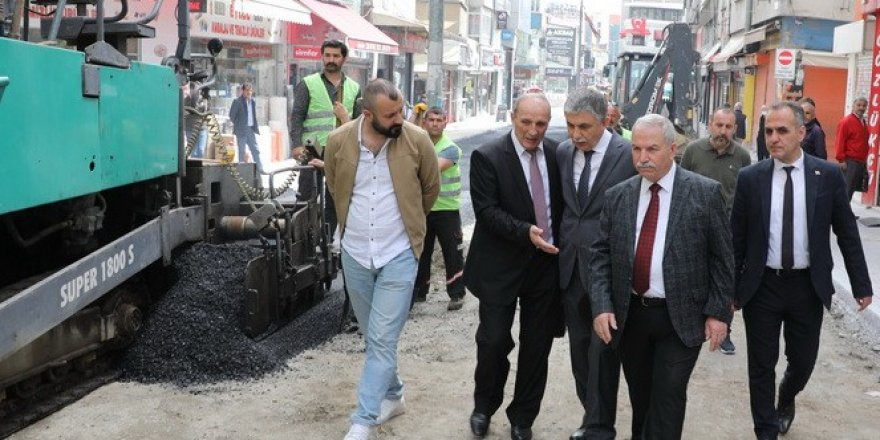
{"x": 359, "y": 33}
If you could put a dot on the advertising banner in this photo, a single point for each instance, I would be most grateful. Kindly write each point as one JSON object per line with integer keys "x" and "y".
{"x": 869, "y": 197}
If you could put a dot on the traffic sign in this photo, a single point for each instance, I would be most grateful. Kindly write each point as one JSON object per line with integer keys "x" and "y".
{"x": 785, "y": 64}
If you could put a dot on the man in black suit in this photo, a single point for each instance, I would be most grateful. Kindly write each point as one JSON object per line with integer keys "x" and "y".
{"x": 591, "y": 161}
{"x": 243, "y": 115}
{"x": 662, "y": 277}
{"x": 782, "y": 212}
{"x": 515, "y": 190}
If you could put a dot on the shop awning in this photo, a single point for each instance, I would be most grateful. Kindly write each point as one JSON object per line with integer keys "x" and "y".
{"x": 359, "y": 33}
{"x": 755, "y": 35}
{"x": 383, "y": 19}
{"x": 734, "y": 45}
{"x": 707, "y": 55}
{"x": 290, "y": 11}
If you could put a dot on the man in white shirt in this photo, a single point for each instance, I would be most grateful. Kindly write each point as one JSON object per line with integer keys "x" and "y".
{"x": 783, "y": 210}
{"x": 384, "y": 177}
{"x": 662, "y": 281}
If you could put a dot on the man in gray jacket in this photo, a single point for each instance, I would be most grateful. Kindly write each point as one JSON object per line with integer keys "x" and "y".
{"x": 662, "y": 277}
{"x": 592, "y": 160}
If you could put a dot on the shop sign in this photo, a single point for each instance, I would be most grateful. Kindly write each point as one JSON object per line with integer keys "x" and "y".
{"x": 501, "y": 20}
{"x": 226, "y": 22}
{"x": 557, "y": 72}
{"x": 869, "y": 197}
{"x": 256, "y": 51}
{"x": 313, "y": 35}
{"x": 559, "y": 43}
{"x": 370, "y": 46}
{"x": 301, "y": 52}
{"x": 408, "y": 41}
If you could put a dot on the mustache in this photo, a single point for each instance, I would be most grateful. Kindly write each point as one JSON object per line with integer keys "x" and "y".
{"x": 646, "y": 166}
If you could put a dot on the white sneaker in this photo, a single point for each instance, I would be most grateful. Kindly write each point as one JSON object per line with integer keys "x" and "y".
{"x": 358, "y": 432}
{"x": 390, "y": 409}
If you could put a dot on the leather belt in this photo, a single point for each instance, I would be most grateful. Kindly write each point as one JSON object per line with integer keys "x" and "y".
{"x": 649, "y": 302}
{"x": 787, "y": 273}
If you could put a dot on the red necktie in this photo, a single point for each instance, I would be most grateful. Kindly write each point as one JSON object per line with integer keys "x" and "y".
{"x": 642, "y": 262}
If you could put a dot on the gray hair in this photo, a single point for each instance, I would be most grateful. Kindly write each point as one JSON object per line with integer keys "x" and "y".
{"x": 723, "y": 109}
{"x": 657, "y": 121}
{"x": 587, "y": 100}
{"x": 376, "y": 87}
{"x": 795, "y": 108}
{"x": 526, "y": 96}
{"x": 860, "y": 99}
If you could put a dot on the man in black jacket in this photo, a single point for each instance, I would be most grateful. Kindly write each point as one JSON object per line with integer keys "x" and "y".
{"x": 515, "y": 190}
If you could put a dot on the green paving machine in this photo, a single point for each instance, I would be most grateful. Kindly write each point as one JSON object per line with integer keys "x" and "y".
{"x": 99, "y": 191}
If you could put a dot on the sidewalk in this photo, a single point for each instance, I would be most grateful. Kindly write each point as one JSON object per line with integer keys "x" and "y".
{"x": 475, "y": 125}
{"x": 871, "y": 244}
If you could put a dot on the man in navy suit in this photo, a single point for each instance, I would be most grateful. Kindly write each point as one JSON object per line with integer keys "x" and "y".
{"x": 515, "y": 190}
{"x": 783, "y": 210}
{"x": 243, "y": 115}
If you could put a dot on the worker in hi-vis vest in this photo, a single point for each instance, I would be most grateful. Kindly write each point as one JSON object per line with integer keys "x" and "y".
{"x": 444, "y": 221}
{"x": 322, "y": 101}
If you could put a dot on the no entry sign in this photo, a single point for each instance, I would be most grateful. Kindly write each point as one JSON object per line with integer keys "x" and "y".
{"x": 785, "y": 65}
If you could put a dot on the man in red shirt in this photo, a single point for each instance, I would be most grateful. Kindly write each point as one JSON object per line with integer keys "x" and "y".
{"x": 852, "y": 145}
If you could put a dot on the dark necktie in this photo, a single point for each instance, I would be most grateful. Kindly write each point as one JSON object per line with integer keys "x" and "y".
{"x": 788, "y": 221}
{"x": 538, "y": 201}
{"x": 584, "y": 182}
{"x": 644, "y": 250}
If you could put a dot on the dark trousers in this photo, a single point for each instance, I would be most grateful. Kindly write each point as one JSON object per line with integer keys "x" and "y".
{"x": 539, "y": 310}
{"x": 855, "y": 173}
{"x": 445, "y": 226}
{"x": 306, "y": 188}
{"x": 788, "y": 300}
{"x": 657, "y": 366}
{"x": 594, "y": 364}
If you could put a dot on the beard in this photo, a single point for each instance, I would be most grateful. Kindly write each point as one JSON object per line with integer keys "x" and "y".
{"x": 720, "y": 141}
{"x": 391, "y": 131}
{"x": 332, "y": 67}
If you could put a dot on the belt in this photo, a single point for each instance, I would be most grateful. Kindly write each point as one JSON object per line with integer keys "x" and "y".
{"x": 649, "y": 302}
{"x": 787, "y": 273}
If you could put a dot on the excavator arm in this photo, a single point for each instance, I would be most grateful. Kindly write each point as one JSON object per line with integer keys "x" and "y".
{"x": 668, "y": 86}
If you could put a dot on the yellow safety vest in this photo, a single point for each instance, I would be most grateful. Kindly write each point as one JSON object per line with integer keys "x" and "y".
{"x": 320, "y": 119}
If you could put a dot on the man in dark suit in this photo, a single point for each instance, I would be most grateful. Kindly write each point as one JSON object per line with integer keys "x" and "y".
{"x": 515, "y": 190}
{"x": 243, "y": 115}
{"x": 782, "y": 212}
{"x": 662, "y": 277}
{"x": 740, "y": 121}
{"x": 591, "y": 161}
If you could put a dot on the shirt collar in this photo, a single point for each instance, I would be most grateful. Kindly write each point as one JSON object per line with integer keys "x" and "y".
{"x": 603, "y": 143}
{"x": 798, "y": 164}
{"x": 729, "y": 150}
{"x": 518, "y": 146}
{"x": 665, "y": 182}
{"x": 361, "y": 146}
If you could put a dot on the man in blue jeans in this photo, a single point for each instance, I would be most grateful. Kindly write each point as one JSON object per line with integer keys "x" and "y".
{"x": 382, "y": 206}
{"x": 243, "y": 115}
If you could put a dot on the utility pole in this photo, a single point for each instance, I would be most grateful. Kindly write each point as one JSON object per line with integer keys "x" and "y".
{"x": 579, "y": 48}
{"x": 435, "y": 53}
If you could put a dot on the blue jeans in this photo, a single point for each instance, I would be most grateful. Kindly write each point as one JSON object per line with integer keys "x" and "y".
{"x": 249, "y": 139}
{"x": 380, "y": 299}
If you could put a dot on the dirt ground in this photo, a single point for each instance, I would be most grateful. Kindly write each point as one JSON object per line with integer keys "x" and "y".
{"x": 315, "y": 396}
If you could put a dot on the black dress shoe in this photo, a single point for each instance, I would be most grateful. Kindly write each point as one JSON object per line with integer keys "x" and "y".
{"x": 766, "y": 436}
{"x": 785, "y": 413}
{"x": 520, "y": 433}
{"x": 479, "y": 424}
{"x": 580, "y": 434}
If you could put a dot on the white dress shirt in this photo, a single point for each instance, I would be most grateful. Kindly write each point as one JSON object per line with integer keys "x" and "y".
{"x": 595, "y": 160}
{"x": 249, "y": 103}
{"x": 524, "y": 158}
{"x": 656, "y": 289}
{"x": 800, "y": 231}
{"x": 374, "y": 229}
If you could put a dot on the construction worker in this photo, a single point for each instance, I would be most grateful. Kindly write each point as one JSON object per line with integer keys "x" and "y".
{"x": 322, "y": 101}
{"x": 444, "y": 221}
